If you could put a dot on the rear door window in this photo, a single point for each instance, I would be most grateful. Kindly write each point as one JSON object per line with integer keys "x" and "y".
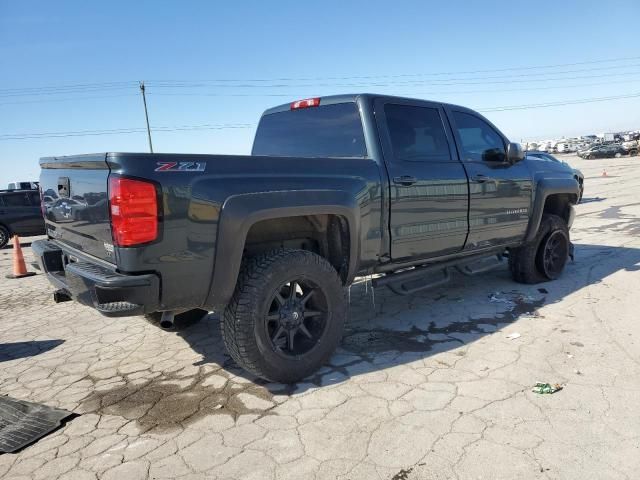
{"x": 416, "y": 133}
{"x": 324, "y": 131}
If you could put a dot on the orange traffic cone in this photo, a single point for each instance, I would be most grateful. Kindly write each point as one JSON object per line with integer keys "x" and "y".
{"x": 604, "y": 173}
{"x": 19, "y": 267}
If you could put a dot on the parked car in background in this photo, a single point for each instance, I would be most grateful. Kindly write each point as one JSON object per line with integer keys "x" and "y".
{"x": 22, "y": 186}
{"x": 577, "y": 174}
{"x": 20, "y": 213}
{"x": 603, "y": 151}
{"x": 631, "y": 147}
{"x": 565, "y": 147}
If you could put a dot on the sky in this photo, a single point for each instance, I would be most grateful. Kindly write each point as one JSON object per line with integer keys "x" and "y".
{"x": 74, "y": 66}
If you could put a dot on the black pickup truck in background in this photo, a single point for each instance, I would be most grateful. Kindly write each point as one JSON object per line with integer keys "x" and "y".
{"x": 336, "y": 187}
{"x": 20, "y": 214}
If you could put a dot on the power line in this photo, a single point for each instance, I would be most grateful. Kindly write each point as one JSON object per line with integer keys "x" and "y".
{"x": 430, "y": 92}
{"x": 77, "y": 133}
{"x": 115, "y": 85}
{"x": 119, "y": 131}
{"x": 205, "y": 83}
{"x": 437, "y": 83}
{"x": 66, "y": 87}
{"x": 353, "y": 77}
{"x": 47, "y": 100}
{"x": 447, "y": 82}
{"x": 67, "y": 91}
{"x": 558, "y": 104}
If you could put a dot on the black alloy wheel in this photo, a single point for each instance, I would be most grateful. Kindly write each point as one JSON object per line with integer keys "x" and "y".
{"x": 286, "y": 316}
{"x": 297, "y": 317}
{"x": 553, "y": 254}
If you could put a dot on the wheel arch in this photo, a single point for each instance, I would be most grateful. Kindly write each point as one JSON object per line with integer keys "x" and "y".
{"x": 240, "y": 213}
{"x": 556, "y": 196}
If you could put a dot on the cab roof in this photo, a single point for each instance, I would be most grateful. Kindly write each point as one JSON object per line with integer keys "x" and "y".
{"x": 353, "y": 97}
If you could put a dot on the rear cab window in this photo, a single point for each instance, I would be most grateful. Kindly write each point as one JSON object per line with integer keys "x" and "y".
{"x": 333, "y": 130}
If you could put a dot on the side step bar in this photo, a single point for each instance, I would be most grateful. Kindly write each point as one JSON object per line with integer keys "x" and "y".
{"x": 400, "y": 282}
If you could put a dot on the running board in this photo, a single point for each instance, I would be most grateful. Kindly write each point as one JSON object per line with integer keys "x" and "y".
{"x": 420, "y": 283}
{"x": 418, "y": 278}
{"x": 482, "y": 265}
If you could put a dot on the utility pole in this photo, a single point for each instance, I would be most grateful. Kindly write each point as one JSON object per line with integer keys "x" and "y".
{"x": 146, "y": 115}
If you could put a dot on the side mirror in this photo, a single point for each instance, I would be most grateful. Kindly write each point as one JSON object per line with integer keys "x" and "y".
{"x": 515, "y": 153}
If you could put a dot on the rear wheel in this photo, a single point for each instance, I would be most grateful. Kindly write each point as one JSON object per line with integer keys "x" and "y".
{"x": 546, "y": 256}
{"x": 618, "y": 155}
{"x": 4, "y": 236}
{"x": 286, "y": 316}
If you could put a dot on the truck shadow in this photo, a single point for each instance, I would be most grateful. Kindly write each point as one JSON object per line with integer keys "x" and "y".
{"x": 385, "y": 329}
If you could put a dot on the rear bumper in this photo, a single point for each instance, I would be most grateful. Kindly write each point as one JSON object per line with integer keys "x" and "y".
{"x": 91, "y": 283}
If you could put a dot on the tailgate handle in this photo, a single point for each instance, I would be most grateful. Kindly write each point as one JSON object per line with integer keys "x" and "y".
{"x": 63, "y": 187}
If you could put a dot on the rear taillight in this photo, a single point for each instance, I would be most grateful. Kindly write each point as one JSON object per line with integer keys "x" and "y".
{"x": 306, "y": 103}
{"x": 134, "y": 211}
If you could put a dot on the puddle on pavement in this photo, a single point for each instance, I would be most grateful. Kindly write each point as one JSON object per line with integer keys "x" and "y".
{"x": 172, "y": 400}
{"x": 377, "y": 340}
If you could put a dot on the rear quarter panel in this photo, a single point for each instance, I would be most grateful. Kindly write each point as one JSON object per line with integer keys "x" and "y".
{"x": 193, "y": 208}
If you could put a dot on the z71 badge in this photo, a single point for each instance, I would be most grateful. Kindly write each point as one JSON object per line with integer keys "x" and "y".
{"x": 180, "y": 166}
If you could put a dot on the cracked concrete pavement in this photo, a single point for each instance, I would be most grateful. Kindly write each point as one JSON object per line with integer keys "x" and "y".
{"x": 428, "y": 386}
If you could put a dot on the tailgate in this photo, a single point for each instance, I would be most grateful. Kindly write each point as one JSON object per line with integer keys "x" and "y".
{"x": 76, "y": 203}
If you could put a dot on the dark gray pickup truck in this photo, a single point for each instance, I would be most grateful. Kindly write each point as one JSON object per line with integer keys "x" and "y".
{"x": 336, "y": 187}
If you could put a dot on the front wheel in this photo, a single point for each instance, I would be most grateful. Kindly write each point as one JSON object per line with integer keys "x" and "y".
{"x": 286, "y": 315}
{"x": 546, "y": 256}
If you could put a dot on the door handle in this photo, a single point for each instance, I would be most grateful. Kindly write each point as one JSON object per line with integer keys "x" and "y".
{"x": 481, "y": 178}
{"x": 405, "y": 180}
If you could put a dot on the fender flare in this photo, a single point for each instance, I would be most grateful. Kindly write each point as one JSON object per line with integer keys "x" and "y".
{"x": 546, "y": 187}
{"x": 240, "y": 212}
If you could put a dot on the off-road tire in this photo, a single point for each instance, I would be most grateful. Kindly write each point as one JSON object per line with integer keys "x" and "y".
{"x": 243, "y": 328}
{"x": 525, "y": 261}
{"x": 180, "y": 321}
{"x": 5, "y": 236}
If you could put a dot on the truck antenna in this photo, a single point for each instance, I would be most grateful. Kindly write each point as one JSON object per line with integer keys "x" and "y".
{"x": 146, "y": 115}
